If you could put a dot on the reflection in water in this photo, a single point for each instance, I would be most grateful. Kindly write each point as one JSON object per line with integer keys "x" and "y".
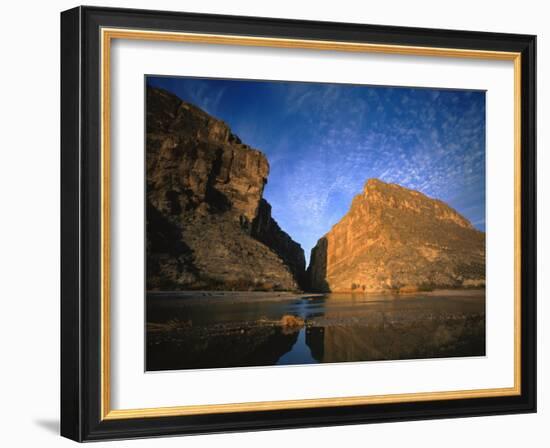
{"x": 192, "y": 333}
{"x": 300, "y": 352}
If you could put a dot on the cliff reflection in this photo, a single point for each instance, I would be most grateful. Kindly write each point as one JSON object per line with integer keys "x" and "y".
{"x": 367, "y": 329}
{"x": 328, "y": 328}
{"x": 435, "y": 339}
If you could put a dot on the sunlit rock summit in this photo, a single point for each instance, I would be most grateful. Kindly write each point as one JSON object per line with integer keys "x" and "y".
{"x": 394, "y": 238}
{"x": 208, "y": 226}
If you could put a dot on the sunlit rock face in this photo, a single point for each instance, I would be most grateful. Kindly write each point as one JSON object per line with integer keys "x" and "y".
{"x": 394, "y": 238}
{"x": 207, "y": 224}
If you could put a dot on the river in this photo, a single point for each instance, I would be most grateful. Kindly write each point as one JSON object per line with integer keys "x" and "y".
{"x": 196, "y": 330}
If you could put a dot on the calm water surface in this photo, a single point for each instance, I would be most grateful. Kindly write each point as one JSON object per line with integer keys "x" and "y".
{"x": 193, "y": 332}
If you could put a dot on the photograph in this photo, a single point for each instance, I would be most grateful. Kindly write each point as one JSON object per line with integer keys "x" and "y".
{"x": 284, "y": 221}
{"x": 292, "y": 223}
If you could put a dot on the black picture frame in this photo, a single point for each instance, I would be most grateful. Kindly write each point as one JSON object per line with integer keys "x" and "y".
{"x": 81, "y": 224}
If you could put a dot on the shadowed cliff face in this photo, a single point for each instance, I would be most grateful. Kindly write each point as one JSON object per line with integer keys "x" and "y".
{"x": 207, "y": 224}
{"x": 396, "y": 238}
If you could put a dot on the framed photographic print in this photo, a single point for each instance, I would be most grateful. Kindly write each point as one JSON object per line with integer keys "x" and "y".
{"x": 274, "y": 223}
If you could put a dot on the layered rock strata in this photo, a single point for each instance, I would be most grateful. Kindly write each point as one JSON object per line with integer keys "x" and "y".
{"x": 397, "y": 239}
{"x": 208, "y": 226}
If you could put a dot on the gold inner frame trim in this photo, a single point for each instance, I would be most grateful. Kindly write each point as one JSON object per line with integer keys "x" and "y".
{"x": 107, "y": 35}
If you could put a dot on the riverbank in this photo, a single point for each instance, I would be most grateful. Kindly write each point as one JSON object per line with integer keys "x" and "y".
{"x": 231, "y": 296}
{"x": 211, "y": 297}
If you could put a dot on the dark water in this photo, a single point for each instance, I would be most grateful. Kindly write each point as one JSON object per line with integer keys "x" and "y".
{"x": 194, "y": 332}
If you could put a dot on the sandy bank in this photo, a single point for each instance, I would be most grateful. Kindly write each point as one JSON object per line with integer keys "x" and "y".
{"x": 230, "y": 296}
{"x": 212, "y": 297}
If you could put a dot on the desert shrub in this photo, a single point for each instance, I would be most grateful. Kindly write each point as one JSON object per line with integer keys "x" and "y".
{"x": 425, "y": 287}
{"x": 266, "y": 286}
{"x": 408, "y": 289}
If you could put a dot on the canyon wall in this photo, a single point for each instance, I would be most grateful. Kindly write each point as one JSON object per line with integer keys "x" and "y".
{"x": 208, "y": 226}
{"x": 394, "y": 238}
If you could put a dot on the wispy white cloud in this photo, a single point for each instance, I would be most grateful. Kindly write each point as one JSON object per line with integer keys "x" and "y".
{"x": 422, "y": 144}
{"x": 323, "y": 141}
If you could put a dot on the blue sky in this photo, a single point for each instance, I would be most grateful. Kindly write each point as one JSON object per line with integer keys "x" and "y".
{"x": 323, "y": 141}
